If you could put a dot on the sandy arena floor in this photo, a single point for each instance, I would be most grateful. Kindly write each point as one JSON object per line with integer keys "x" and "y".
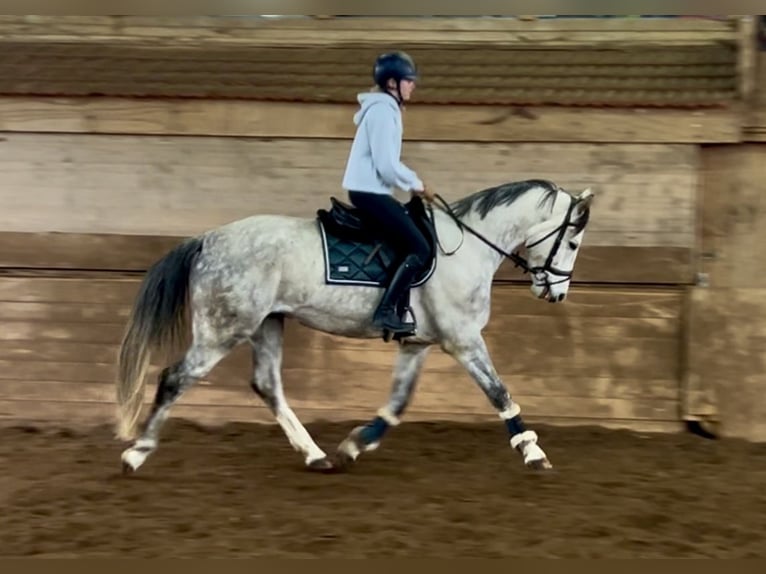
{"x": 454, "y": 490}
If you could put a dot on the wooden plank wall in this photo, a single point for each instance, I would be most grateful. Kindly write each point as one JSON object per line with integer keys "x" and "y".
{"x": 83, "y": 196}
{"x": 725, "y": 364}
{"x": 475, "y": 123}
{"x": 726, "y": 367}
{"x": 754, "y": 85}
{"x": 83, "y": 180}
{"x": 160, "y": 186}
{"x": 59, "y": 340}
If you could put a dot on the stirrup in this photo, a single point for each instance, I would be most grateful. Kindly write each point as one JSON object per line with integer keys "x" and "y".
{"x": 399, "y": 335}
{"x": 401, "y": 324}
{"x": 403, "y": 329}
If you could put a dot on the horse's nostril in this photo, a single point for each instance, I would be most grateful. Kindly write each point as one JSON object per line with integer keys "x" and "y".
{"x": 561, "y": 297}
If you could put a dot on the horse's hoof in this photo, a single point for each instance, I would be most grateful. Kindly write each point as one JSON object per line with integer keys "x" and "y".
{"x": 540, "y": 464}
{"x": 344, "y": 460}
{"x": 348, "y": 450}
{"x": 127, "y": 470}
{"x": 321, "y": 465}
{"x": 708, "y": 429}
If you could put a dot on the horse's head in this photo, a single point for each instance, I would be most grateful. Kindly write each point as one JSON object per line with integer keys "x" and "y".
{"x": 552, "y": 246}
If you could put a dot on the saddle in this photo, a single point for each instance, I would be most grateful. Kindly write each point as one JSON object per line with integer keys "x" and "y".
{"x": 356, "y": 255}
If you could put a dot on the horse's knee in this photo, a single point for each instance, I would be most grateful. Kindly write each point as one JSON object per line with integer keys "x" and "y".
{"x": 256, "y": 387}
{"x": 265, "y": 391}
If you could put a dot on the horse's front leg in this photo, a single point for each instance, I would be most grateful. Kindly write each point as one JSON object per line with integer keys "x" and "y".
{"x": 409, "y": 363}
{"x": 473, "y": 355}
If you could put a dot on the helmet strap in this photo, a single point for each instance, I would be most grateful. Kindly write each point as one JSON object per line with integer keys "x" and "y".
{"x": 398, "y": 96}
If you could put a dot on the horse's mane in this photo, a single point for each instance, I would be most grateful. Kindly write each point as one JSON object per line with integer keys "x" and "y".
{"x": 486, "y": 200}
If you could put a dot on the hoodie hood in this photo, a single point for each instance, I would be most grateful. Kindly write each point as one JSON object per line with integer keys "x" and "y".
{"x": 368, "y": 99}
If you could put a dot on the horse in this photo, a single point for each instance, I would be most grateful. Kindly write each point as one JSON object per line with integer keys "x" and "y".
{"x": 237, "y": 283}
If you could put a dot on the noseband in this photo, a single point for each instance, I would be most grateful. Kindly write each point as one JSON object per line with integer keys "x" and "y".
{"x": 548, "y": 265}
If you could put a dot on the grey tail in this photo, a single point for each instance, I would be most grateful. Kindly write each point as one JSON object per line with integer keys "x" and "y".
{"x": 158, "y": 320}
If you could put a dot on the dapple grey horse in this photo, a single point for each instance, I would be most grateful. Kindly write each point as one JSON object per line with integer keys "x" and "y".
{"x": 238, "y": 282}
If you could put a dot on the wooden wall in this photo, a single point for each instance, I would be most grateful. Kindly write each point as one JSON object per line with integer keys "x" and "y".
{"x": 610, "y": 356}
{"x": 95, "y": 189}
{"x": 93, "y": 192}
{"x": 726, "y": 367}
{"x": 724, "y": 384}
{"x": 146, "y": 187}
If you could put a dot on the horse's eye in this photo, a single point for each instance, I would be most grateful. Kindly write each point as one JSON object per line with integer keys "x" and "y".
{"x": 573, "y": 245}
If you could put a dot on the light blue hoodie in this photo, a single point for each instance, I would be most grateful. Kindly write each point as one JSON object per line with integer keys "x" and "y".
{"x": 374, "y": 163}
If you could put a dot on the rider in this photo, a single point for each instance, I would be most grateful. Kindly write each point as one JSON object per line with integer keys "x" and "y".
{"x": 374, "y": 168}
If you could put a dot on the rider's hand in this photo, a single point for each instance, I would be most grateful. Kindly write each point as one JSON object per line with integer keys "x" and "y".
{"x": 426, "y": 194}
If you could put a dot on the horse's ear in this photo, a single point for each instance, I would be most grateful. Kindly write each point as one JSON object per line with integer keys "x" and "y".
{"x": 585, "y": 199}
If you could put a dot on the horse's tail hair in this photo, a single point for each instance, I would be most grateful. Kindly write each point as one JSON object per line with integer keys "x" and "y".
{"x": 158, "y": 319}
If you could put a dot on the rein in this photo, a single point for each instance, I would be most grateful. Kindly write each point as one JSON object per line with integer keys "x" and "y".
{"x": 517, "y": 259}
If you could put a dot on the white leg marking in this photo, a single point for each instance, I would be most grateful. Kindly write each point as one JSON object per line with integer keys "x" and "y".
{"x": 349, "y": 446}
{"x": 267, "y": 354}
{"x": 299, "y": 437}
{"x": 137, "y": 454}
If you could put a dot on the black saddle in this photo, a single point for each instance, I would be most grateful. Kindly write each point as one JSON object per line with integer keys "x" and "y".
{"x": 356, "y": 255}
{"x": 345, "y": 221}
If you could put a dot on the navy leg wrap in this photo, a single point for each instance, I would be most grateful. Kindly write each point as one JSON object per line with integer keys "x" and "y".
{"x": 374, "y": 431}
{"x": 515, "y": 425}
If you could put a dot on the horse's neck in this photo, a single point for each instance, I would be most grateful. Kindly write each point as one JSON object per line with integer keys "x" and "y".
{"x": 506, "y": 226}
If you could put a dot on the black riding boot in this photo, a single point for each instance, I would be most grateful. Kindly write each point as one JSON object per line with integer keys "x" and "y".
{"x": 385, "y": 316}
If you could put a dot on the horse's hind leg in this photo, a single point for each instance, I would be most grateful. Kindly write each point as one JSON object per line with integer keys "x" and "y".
{"x": 267, "y": 384}
{"x": 409, "y": 363}
{"x": 173, "y": 381}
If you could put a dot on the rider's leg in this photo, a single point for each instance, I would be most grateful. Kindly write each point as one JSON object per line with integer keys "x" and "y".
{"x": 391, "y": 222}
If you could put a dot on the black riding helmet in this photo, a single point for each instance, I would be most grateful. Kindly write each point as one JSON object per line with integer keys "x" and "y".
{"x": 396, "y": 65}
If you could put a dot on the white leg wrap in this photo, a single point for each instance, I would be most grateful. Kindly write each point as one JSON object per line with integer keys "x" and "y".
{"x": 354, "y": 437}
{"x": 370, "y": 447}
{"x": 531, "y": 451}
{"x": 386, "y": 414}
{"x": 510, "y": 413}
{"x": 529, "y": 436}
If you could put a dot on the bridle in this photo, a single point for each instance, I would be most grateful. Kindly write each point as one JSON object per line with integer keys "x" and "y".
{"x": 517, "y": 259}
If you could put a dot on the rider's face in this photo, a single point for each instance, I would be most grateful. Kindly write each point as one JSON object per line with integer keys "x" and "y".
{"x": 406, "y": 87}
